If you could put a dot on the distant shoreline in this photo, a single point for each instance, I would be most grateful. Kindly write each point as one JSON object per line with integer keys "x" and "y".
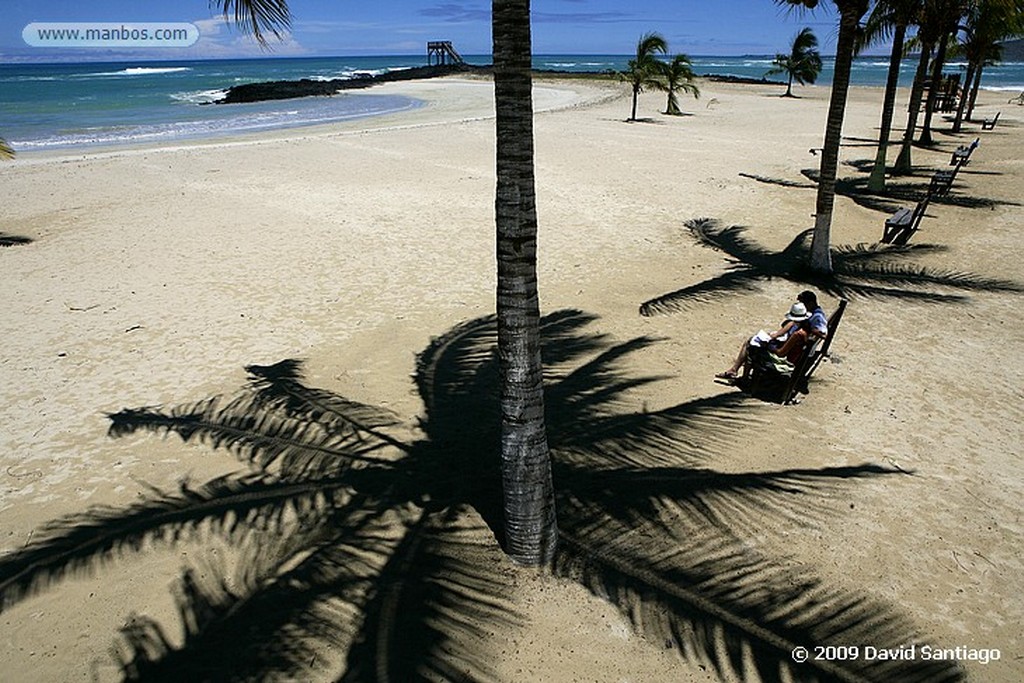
{"x": 306, "y": 87}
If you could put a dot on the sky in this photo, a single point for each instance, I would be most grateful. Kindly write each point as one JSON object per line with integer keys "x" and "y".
{"x": 399, "y": 27}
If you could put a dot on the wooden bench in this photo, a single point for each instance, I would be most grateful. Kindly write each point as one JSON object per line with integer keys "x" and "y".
{"x": 900, "y": 226}
{"x": 796, "y": 382}
{"x": 942, "y": 181}
{"x": 962, "y": 154}
{"x": 989, "y": 124}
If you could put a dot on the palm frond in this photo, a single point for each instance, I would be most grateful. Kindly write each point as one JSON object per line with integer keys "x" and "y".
{"x": 5, "y": 150}
{"x": 732, "y": 240}
{"x": 227, "y": 505}
{"x": 281, "y": 387}
{"x": 434, "y": 605}
{"x": 258, "y": 17}
{"x": 902, "y": 275}
{"x": 723, "y": 606}
{"x": 291, "y": 597}
{"x": 738, "y": 503}
{"x": 738, "y": 279}
{"x": 684, "y": 433}
{"x": 244, "y": 427}
{"x": 13, "y": 240}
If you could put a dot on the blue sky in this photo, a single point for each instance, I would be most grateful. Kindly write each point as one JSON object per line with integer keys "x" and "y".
{"x": 389, "y": 27}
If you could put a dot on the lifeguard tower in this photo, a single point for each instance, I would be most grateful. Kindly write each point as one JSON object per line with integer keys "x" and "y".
{"x": 441, "y": 52}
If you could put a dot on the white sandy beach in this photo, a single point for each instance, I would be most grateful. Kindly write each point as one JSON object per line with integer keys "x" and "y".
{"x": 156, "y": 274}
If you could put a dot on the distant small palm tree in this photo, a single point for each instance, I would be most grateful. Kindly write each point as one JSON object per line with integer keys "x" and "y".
{"x": 678, "y": 75}
{"x": 5, "y": 150}
{"x": 644, "y": 70}
{"x": 803, "y": 63}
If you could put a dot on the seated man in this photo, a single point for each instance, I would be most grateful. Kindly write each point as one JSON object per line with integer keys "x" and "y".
{"x": 818, "y": 320}
{"x": 787, "y": 342}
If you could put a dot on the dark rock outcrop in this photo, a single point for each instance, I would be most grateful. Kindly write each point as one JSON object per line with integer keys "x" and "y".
{"x": 284, "y": 90}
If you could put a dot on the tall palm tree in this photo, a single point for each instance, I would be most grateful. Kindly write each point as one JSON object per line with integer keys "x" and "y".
{"x": 933, "y": 24}
{"x": 893, "y": 16}
{"x": 988, "y": 22}
{"x": 803, "y": 63}
{"x": 645, "y": 70}
{"x": 531, "y": 531}
{"x": 850, "y": 13}
{"x": 678, "y": 75}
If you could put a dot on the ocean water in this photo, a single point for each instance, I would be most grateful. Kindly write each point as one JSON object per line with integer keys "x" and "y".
{"x": 59, "y": 106}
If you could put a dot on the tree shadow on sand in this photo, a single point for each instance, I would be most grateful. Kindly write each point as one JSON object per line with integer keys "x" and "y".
{"x": 13, "y": 240}
{"x": 895, "y": 194}
{"x": 362, "y": 535}
{"x": 863, "y": 270}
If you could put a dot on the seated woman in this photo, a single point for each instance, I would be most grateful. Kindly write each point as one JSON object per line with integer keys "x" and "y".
{"x": 787, "y": 342}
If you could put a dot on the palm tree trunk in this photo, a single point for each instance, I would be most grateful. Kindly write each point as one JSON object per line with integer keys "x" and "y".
{"x": 789, "y": 86}
{"x": 530, "y": 531}
{"x": 903, "y": 163}
{"x": 821, "y": 255}
{"x": 974, "y": 92}
{"x": 933, "y": 92}
{"x": 876, "y": 183}
{"x": 636, "y": 96}
{"x": 962, "y": 105}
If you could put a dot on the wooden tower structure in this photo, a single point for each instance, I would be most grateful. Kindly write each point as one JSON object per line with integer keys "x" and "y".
{"x": 441, "y": 52}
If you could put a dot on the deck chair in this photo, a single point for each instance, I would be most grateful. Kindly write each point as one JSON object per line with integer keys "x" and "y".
{"x": 901, "y": 226}
{"x": 785, "y": 386}
{"x": 989, "y": 124}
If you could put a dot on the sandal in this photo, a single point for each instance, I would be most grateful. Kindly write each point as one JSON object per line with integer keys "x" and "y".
{"x": 728, "y": 374}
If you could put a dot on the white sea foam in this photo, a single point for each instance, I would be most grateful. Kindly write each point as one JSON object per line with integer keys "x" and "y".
{"x": 141, "y": 71}
{"x": 200, "y": 128}
{"x": 199, "y": 96}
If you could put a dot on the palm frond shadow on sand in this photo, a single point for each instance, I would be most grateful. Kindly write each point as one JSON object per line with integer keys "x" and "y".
{"x": 356, "y": 534}
{"x": 13, "y": 240}
{"x": 862, "y": 270}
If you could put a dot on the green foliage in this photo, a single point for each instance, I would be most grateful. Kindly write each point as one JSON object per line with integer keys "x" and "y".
{"x": 678, "y": 75}
{"x": 5, "y": 150}
{"x": 645, "y": 69}
{"x": 802, "y": 64}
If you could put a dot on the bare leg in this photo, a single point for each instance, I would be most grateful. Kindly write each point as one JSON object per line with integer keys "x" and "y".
{"x": 741, "y": 359}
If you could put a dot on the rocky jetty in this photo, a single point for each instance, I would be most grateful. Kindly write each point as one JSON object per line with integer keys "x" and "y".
{"x": 284, "y": 90}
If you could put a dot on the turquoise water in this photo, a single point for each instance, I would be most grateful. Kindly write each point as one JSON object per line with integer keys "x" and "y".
{"x": 53, "y": 106}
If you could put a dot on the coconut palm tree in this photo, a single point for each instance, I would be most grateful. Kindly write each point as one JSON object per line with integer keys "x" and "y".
{"x": 850, "y": 13}
{"x": 889, "y": 16}
{"x": 645, "y": 69}
{"x": 988, "y": 23}
{"x": 932, "y": 23}
{"x": 531, "y": 531}
{"x": 803, "y": 63}
{"x": 678, "y": 75}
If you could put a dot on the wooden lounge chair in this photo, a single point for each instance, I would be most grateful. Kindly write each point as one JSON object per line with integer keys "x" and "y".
{"x": 763, "y": 379}
{"x": 1019, "y": 99}
{"x": 989, "y": 124}
{"x": 900, "y": 226}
